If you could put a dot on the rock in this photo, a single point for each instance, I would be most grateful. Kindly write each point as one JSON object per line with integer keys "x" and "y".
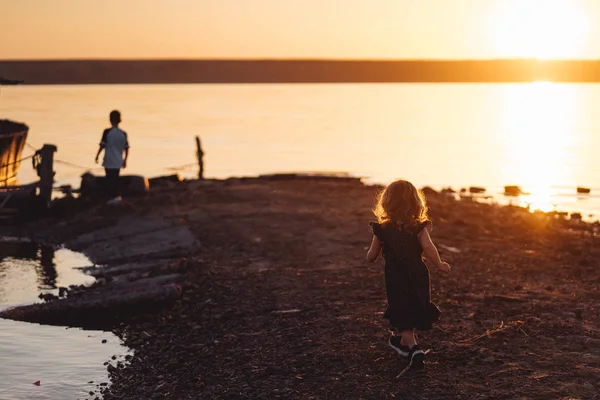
{"x": 512, "y": 191}
{"x": 174, "y": 242}
{"x": 130, "y": 185}
{"x": 135, "y": 237}
{"x": 134, "y": 185}
{"x": 164, "y": 179}
{"x": 127, "y": 226}
{"x": 48, "y": 297}
{"x": 100, "y": 307}
{"x": 476, "y": 189}
{"x": 429, "y": 192}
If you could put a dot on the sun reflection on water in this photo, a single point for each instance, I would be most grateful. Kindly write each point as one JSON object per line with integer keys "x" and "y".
{"x": 538, "y": 132}
{"x": 538, "y": 201}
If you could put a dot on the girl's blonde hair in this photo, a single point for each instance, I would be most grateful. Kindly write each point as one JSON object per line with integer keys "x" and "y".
{"x": 401, "y": 203}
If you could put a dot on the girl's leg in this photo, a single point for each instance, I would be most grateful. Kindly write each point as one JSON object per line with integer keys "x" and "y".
{"x": 408, "y": 338}
{"x": 396, "y": 332}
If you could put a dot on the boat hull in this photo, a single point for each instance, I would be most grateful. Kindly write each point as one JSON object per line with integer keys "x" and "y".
{"x": 12, "y": 140}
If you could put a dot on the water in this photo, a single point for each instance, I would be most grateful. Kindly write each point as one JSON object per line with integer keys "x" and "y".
{"x": 28, "y": 269}
{"x": 64, "y": 360}
{"x": 541, "y": 136}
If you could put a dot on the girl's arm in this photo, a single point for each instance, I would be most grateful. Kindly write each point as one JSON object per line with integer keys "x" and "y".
{"x": 431, "y": 252}
{"x": 374, "y": 250}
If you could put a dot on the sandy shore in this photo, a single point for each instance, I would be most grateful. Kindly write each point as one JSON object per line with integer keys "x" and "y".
{"x": 277, "y": 301}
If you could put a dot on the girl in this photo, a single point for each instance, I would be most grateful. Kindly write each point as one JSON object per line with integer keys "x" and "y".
{"x": 402, "y": 235}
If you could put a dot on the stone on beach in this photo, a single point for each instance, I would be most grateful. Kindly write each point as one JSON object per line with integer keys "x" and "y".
{"x": 132, "y": 238}
{"x": 99, "y": 308}
{"x": 512, "y": 190}
{"x": 476, "y": 189}
{"x": 175, "y": 178}
{"x": 583, "y": 190}
{"x": 129, "y": 185}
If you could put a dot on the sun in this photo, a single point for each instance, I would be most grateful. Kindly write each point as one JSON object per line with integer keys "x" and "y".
{"x": 543, "y": 29}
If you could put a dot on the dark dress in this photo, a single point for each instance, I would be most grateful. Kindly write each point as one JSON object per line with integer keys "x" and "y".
{"x": 406, "y": 278}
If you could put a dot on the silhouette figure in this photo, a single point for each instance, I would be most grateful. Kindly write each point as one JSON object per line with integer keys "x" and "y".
{"x": 116, "y": 150}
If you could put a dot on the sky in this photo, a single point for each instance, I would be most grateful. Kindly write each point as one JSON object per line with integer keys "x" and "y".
{"x": 329, "y": 29}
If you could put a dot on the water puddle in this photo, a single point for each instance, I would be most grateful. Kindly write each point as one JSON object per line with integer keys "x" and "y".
{"x": 47, "y": 362}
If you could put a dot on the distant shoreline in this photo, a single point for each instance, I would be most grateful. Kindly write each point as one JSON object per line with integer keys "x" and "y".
{"x": 48, "y": 72}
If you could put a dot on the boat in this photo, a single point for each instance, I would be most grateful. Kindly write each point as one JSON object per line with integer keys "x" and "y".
{"x": 12, "y": 140}
{"x": 13, "y": 136}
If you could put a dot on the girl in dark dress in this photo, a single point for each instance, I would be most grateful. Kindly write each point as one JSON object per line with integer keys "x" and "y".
{"x": 401, "y": 234}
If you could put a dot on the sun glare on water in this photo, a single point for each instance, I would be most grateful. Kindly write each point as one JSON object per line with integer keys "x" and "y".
{"x": 543, "y": 29}
{"x": 538, "y": 133}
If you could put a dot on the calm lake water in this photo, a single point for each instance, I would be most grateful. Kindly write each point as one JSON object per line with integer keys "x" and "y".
{"x": 68, "y": 362}
{"x": 541, "y": 136}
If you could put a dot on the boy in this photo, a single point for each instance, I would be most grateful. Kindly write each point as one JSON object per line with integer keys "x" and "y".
{"x": 114, "y": 143}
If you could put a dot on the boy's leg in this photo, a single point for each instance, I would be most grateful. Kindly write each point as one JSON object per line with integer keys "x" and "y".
{"x": 112, "y": 182}
{"x": 117, "y": 182}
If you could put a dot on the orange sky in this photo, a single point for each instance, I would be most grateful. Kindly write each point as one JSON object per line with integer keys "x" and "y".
{"x": 34, "y": 29}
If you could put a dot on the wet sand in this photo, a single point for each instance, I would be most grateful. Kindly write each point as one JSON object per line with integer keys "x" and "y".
{"x": 278, "y": 301}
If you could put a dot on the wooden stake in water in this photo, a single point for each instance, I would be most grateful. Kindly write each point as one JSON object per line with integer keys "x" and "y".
{"x": 200, "y": 155}
{"x": 46, "y": 172}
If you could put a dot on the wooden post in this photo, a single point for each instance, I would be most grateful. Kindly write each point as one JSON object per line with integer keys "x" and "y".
{"x": 200, "y": 155}
{"x": 46, "y": 172}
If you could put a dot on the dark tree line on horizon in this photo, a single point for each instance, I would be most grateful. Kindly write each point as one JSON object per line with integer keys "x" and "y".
{"x": 297, "y": 71}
